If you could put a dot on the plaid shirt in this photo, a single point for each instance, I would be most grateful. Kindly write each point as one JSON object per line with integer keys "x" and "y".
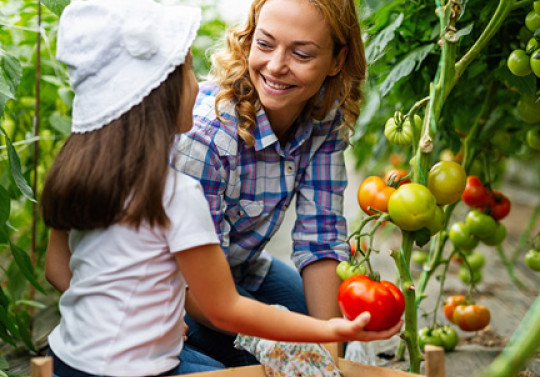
{"x": 249, "y": 189}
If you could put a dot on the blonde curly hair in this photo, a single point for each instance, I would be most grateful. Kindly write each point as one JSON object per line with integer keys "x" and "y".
{"x": 230, "y": 69}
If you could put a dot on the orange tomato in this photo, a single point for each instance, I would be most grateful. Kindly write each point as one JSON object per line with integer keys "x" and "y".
{"x": 450, "y": 305}
{"x": 374, "y": 193}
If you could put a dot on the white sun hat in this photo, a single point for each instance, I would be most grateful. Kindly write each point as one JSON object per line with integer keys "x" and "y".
{"x": 118, "y": 51}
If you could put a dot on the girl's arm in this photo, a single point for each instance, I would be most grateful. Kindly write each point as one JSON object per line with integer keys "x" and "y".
{"x": 57, "y": 258}
{"x": 207, "y": 273}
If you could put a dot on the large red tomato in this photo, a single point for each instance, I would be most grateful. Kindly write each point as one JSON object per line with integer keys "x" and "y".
{"x": 383, "y": 300}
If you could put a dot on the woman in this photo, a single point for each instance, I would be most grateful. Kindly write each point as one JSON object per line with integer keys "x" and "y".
{"x": 273, "y": 123}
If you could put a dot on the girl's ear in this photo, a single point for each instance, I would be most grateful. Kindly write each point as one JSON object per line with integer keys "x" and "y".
{"x": 339, "y": 61}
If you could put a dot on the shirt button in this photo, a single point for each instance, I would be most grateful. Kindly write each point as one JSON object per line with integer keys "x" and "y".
{"x": 289, "y": 169}
{"x": 241, "y": 213}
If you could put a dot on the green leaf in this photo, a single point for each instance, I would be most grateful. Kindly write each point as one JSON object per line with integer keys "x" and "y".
{"x": 12, "y": 70}
{"x": 4, "y": 300}
{"x": 56, "y": 6}
{"x": 60, "y": 122}
{"x": 5, "y": 205}
{"x": 524, "y": 84}
{"x": 465, "y": 31}
{"x": 422, "y": 236}
{"x": 23, "y": 322}
{"x": 405, "y": 67}
{"x": 15, "y": 168}
{"x": 375, "y": 47}
{"x": 25, "y": 265}
{"x": 31, "y": 303}
{"x": 8, "y": 323}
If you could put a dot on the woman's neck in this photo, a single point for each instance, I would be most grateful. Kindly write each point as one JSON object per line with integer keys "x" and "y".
{"x": 282, "y": 124}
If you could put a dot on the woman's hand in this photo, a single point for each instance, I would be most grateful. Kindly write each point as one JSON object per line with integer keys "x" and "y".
{"x": 354, "y": 330}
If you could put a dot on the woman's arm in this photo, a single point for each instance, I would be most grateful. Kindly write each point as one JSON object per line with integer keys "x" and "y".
{"x": 57, "y": 258}
{"x": 207, "y": 273}
{"x": 321, "y": 285}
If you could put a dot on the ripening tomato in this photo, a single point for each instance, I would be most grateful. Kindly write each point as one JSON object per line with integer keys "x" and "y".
{"x": 475, "y": 194}
{"x": 471, "y": 317}
{"x": 383, "y": 300}
{"x": 500, "y": 205}
{"x": 412, "y": 207}
{"x": 446, "y": 181}
{"x": 373, "y": 192}
{"x": 396, "y": 175}
{"x": 450, "y": 304}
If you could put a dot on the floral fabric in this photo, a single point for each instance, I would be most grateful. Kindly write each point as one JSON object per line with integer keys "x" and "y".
{"x": 286, "y": 359}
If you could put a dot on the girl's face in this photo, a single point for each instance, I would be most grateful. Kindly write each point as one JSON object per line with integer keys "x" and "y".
{"x": 291, "y": 55}
{"x": 188, "y": 95}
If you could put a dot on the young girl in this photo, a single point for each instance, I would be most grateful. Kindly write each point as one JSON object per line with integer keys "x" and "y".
{"x": 272, "y": 125}
{"x": 128, "y": 233}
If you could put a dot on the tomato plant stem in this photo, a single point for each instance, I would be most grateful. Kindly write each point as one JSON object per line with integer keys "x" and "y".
{"x": 402, "y": 260}
{"x": 526, "y": 234}
{"x": 522, "y": 345}
{"x": 509, "y": 267}
{"x": 497, "y": 20}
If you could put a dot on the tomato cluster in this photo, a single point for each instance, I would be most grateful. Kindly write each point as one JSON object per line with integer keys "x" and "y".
{"x": 383, "y": 300}
{"x": 524, "y": 62}
{"x": 413, "y": 206}
{"x": 467, "y": 316}
{"x": 492, "y": 202}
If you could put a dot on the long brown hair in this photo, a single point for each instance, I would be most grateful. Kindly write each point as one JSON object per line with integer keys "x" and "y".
{"x": 117, "y": 173}
{"x": 230, "y": 68}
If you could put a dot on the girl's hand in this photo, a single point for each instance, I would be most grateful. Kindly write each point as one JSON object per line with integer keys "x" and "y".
{"x": 354, "y": 330}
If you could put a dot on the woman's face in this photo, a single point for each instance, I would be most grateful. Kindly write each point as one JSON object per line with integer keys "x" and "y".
{"x": 190, "y": 89}
{"x": 291, "y": 55}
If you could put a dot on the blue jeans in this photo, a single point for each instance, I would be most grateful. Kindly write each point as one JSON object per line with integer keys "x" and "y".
{"x": 191, "y": 361}
{"x": 283, "y": 285}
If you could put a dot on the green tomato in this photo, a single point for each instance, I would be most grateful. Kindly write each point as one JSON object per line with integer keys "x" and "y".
{"x": 412, "y": 207}
{"x": 480, "y": 224}
{"x": 346, "y": 269}
{"x": 476, "y": 260}
{"x": 426, "y": 335}
{"x": 536, "y": 6}
{"x": 532, "y": 259}
{"x": 535, "y": 62}
{"x": 532, "y": 21}
{"x": 449, "y": 337}
{"x": 446, "y": 181}
{"x": 533, "y": 138}
{"x": 497, "y": 237}
{"x": 528, "y": 110}
{"x": 518, "y": 63}
{"x": 465, "y": 275}
{"x": 397, "y": 131}
{"x": 532, "y": 45}
{"x": 437, "y": 222}
{"x": 419, "y": 257}
{"x": 461, "y": 237}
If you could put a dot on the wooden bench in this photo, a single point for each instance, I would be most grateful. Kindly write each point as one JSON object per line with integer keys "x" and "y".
{"x": 434, "y": 367}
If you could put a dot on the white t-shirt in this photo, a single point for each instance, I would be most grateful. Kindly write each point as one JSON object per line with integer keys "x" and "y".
{"x": 123, "y": 312}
